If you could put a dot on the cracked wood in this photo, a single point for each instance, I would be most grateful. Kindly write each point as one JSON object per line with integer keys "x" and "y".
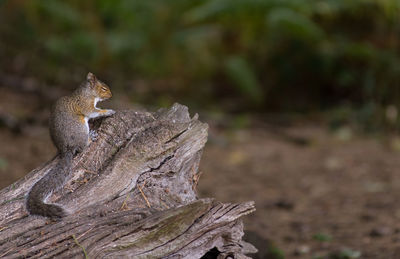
{"x": 132, "y": 193}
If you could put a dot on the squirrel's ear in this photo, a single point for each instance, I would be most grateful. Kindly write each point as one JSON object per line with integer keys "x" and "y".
{"x": 91, "y": 78}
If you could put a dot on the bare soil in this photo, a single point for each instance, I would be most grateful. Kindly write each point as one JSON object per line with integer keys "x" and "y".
{"x": 330, "y": 197}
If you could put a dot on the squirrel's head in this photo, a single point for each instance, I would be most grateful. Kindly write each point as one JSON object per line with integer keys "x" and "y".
{"x": 101, "y": 90}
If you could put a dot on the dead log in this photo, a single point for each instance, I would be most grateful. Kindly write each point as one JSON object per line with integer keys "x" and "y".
{"x": 131, "y": 194}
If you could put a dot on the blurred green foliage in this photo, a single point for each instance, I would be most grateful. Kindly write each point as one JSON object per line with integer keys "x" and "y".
{"x": 322, "y": 237}
{"x": 3, "y": 164}
{"x": 259, "y": 55}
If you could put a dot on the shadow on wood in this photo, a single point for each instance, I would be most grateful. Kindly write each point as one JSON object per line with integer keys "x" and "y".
{"x": 131, "y": 194}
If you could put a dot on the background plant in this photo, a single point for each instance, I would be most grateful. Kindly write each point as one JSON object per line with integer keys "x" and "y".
{"x": 235, "y": 55}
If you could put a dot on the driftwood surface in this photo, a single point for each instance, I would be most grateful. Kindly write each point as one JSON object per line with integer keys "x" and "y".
{"x": 131, "y": 194}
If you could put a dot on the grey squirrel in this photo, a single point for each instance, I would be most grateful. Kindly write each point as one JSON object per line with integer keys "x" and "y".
{"x": 69, "y": 130}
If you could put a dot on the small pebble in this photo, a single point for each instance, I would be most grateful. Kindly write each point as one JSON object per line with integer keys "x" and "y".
{"x": 284, "y": 204}
{"x": 380, "y": 231}
{"x": 301, "y": 250}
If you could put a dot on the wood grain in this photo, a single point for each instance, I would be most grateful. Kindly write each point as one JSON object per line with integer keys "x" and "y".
{"x": 131, "y": 194}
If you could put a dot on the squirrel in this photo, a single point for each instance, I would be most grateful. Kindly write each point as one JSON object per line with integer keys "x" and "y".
{"x": 69, "y": 131}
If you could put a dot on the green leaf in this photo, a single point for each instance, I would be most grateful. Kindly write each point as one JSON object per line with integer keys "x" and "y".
{"x": 294, "y": 24}
{"x": 274, "y": 252}
{"x": 60, "y": 11}
{"x": 217, "y": 8}
{"x": 345, "y": 253}
{"x": 322, "y": 237}
{"x": 3, "y": 163}
{"x": 243, "y": 78}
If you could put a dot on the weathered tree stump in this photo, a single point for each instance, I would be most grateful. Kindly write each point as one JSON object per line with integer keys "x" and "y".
{"x": 131, "y": 194}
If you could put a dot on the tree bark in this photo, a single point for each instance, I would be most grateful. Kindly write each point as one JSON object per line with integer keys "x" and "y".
{"x": 131, "y": 194}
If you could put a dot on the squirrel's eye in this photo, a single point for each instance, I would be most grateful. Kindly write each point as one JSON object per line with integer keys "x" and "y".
{"x": 104, "y": 89}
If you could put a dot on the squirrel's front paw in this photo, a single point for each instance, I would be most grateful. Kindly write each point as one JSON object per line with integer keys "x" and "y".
{"x": 110, "y": 112}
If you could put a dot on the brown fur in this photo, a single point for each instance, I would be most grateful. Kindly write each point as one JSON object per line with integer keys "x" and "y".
{"x": 69, "y": 130}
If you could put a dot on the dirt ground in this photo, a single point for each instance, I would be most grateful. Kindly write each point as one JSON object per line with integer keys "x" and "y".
{"x": 331, "y": 198}
{"x": 335, "y": 195}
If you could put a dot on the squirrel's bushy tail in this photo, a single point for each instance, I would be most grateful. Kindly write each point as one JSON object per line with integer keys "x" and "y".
{"x": 49, "y": 183}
